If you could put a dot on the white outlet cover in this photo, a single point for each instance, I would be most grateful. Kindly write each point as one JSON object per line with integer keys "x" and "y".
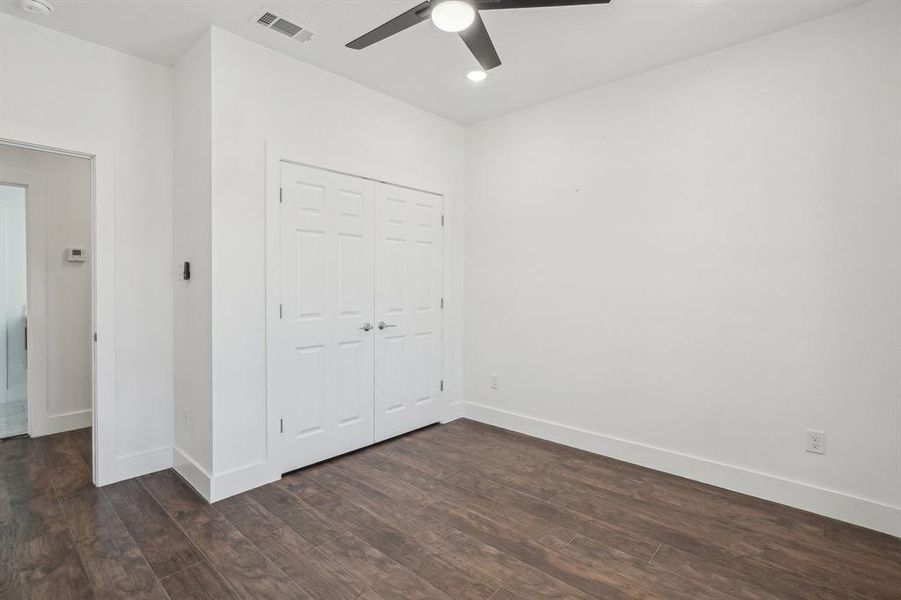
{"x": 816, "y": 442}
{"x": 493, "y": 382}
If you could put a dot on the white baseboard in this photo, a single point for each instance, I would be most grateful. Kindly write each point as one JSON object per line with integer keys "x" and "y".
{"x": 196, "y": 476}
{"x": 218, "y": 487}
{"x": 241, "y": 479}
{"x": 60, "y": 423}
{"x": 831, "y": 503}
{"x": 135, "y": 465}
{"x": 452, "y": 412}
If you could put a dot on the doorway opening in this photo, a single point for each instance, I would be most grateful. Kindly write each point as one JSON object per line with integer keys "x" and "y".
{"x": 13, "y": 312}
{"x": 46, "y": 296}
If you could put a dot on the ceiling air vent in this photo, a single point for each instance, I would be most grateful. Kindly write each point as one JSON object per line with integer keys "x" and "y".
{"x": 270, "y": 20}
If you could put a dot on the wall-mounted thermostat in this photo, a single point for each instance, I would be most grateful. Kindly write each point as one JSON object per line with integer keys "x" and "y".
{"x": 75, "y": 254}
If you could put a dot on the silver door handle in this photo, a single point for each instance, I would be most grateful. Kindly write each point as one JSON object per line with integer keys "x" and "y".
{"x": 367, "y": 327}
{"x": 383, "y": 325}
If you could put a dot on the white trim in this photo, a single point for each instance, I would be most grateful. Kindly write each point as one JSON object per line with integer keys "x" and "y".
{"x": 59, "y": 423}
{"x": 106, "y": 458}
{"x": 241, "y": 479}
{"x": 191, "y": 471}
{"x": 831, "y": 503}
{"x": 273, "y": 197}
{"x": 128, "y": 466}
{"x": 452, "y": 412}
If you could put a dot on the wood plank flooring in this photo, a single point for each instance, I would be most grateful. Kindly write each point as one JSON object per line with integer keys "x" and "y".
{"x": 460, "y": 511}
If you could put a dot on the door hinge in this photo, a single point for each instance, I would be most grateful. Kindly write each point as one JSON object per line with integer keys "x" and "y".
{"x": 281, "y": 426}
{"x": 281, "y": 311}
{"x": 442, "y": 303}
{"x": 442, "y": 385}
{"x": 95, "y": 336}
{"x": 281, "y": 195}
{"x": 442, "y": 220}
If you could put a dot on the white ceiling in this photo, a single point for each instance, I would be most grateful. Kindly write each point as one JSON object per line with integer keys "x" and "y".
{"x": 546, "y": 52}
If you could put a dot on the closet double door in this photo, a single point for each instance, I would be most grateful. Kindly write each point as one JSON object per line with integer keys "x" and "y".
{"x": 358, "y": 340}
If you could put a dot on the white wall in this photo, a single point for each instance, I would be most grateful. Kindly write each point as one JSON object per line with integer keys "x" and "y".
{"x": 63, "y": 222}
{"x": 192, "y": 242}
{"x": 691, "y": 267}
{"x": 57, "y": 90}
{"x": 260, "y": 95}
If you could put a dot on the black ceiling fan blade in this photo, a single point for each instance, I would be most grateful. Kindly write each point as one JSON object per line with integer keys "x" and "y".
{"x": 510, "y": 4}
{"x": 414, "y": 16}
{"x": 479, "y": 43}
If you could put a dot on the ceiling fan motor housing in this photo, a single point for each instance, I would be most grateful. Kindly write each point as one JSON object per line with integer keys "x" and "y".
{"x": 452, "y": 15}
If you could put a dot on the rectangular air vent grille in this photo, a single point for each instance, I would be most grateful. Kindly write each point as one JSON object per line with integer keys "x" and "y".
{"x": 270, "y": 20}
{"x": 286, "y": 27}
{"x": 267, "y": 19}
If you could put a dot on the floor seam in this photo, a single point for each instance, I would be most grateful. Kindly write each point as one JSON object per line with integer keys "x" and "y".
{"x": 566, "y": 545}
{"x": 328, "y": 541}
{"x": 495, "y": 593}
{"x": 653, "y": 556}
{"x": 183, "y": 569}
{"x": 265, "y": 535}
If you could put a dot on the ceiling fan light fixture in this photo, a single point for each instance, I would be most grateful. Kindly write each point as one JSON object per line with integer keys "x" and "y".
{"x": 477, "y": 76}
{"x": 453, "y": 15}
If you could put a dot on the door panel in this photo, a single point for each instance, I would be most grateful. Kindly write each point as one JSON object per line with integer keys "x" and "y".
{"x": 408, "y": 300}
{"x": 325, "y": 359}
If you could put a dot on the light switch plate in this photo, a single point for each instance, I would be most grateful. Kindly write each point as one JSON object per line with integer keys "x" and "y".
{"x": 493, "y": 382}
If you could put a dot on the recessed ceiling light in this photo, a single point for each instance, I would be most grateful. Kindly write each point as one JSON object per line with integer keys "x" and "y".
{"x": 38, "y": 7}
{"x": 453, "y": 15}
{"x": 477, "y": 76}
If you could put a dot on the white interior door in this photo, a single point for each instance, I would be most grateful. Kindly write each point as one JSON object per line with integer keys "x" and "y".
{"x": 408, "y": 310}
{"x": 324, "y": 354}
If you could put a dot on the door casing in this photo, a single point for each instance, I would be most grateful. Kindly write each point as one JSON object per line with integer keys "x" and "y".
{"x": 104, "y": 465}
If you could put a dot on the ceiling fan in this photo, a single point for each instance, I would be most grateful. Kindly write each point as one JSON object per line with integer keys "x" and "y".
{"x": 459, "y": 16}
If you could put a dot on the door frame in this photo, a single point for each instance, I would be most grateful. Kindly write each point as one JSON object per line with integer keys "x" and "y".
{"x": 276, "y": 154}
{"x": 103, "y": 359}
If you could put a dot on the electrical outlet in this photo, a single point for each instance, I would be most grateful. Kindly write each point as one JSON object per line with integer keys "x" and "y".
{"x": 816, "y": 442}
{"x": 187, "y": 417}
{"x": 493, "y": 382}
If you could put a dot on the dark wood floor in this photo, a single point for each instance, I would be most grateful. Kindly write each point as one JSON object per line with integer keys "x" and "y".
{"x": 457, "y": 511}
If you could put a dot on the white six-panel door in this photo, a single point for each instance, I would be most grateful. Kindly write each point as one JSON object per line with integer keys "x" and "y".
{"x": 408, "y": 310}
{"x": 324, "y": 354}
{"x": 355, "y": 253}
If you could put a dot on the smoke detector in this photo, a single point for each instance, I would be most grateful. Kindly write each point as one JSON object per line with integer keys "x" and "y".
{"x": 37, "y": 7}
{"x": 270, "y": 20}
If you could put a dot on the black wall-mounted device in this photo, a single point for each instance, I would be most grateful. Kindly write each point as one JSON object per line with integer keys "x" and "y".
{"x": 186, "y": 271}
